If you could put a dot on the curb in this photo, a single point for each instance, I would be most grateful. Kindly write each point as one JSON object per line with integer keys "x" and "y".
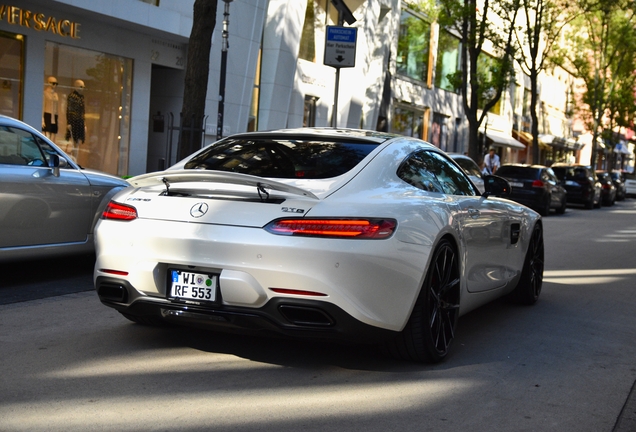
{"x": 626, "y": 421}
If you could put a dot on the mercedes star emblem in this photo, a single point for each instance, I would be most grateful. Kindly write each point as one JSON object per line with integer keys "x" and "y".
{"x": 198, "y": 210}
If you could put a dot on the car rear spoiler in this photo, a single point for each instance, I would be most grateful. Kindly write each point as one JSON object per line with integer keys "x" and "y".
{"x": 169, "y": 178}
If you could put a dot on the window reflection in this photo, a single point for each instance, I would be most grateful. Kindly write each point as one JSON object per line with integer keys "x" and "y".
{"x": 413, "y": 47}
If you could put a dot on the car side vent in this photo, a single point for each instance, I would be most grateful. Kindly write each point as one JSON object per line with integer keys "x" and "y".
{"x": 515, "y": 230}
{"x": 113, "y": 292}
{"x": 306, "y": 316}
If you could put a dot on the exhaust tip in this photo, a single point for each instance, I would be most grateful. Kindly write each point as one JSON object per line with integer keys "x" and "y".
{"x": 306, "y": 316}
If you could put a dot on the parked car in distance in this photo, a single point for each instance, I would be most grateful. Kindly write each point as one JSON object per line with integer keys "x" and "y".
{"x": 470, "y": 167}
{"x": 535, "y": 186}
{"x": 581, "y": 184}
{"x": 608, "y": 190}
{"x": 618, "y": 178}
{"x": 49, "y": 205}
{"x": 318, "y": 233}
{"x": 630, "y": 184}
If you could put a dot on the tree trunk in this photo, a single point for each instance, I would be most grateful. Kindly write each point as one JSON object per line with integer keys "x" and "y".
{"x": 533, "y": 157}
{"x": 196, "y": 77}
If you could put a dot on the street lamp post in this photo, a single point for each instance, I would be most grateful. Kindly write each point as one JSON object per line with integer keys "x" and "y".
{"x": 225, "y": 46}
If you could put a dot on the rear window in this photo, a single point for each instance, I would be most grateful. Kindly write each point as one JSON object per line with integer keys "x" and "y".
{"x": 283, "y": 158}
{"x": 570, "y": 173}
{"x": 526, "y": 173}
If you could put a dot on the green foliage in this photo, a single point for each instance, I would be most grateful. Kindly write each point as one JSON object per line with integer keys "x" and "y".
{"x": 599, "y": 50}
{"x": 483, "y": 76}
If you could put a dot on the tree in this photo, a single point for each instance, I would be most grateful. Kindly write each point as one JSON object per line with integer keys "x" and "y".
{"x": 542, "y": 24}
{"x": 481, "y": 80}
{"x": 600, "y": 51}
{"x": 196, "y": 76}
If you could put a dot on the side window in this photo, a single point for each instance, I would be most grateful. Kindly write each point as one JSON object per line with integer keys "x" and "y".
{"x": 18, "y": 147}
{"x": 47, "y": 150}
{"x": 432, "y": 172}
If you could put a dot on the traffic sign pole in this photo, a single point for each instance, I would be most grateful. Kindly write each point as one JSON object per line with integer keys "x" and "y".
{"x": 340, "y": 51}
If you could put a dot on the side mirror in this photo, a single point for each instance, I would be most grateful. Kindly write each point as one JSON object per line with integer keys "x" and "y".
{"x": 496, "y": 186}
{"x": 55, "y": 163}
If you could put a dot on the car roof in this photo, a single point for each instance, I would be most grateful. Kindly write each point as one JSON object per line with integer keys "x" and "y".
{"x": 372, "y": 137}
{"x": 458, "y": 155}
{"x": 567, "y": 165}
{"x": 516, "y": 165}
{"x": 10, "y": 121}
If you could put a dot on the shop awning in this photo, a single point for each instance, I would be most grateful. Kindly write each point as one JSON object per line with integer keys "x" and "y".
{"x": 560, "y": 143}
{"x": 526, "y": 138}
{"x": 523, "y": 137}
{"x": 501, "y": 139}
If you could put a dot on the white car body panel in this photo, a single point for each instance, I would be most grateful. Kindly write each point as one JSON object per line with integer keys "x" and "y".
{"x": 630, "y": 186}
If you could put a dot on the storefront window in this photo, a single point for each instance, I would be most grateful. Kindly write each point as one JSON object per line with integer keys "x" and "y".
{"x": 86, "y": 109}
{"x": 407, "y": 121}
{"x": 11, "y": 61}
{"x": 318, "y": 15}
{"x": 413, "y": 47}
{"x": 447, "y": 61}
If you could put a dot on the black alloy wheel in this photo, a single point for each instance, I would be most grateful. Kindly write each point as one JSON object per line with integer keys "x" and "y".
{"x": 430, "y": 330}
{"x": 529, "y": 287}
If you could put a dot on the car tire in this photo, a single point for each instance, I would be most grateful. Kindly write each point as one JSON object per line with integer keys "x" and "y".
{"x": 145, "y": 320}
{"x": 562, "y": 208}
{"x": 430, "y": 330}
{"x": 545, "y": 210}
{"x": 528, "y": 289}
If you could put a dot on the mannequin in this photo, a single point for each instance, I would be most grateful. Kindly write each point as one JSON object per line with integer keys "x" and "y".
{"x": 76, "y": 130}
{"x": 51, "y": 102}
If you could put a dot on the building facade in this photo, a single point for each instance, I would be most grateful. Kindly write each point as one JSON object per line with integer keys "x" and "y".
{"x": 124, "y": 61}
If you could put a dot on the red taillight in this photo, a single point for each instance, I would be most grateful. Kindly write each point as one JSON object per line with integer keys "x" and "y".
{"x": 606, "y": 186}
{"x": 334, "y": 228}
{"x": 115, "y": 272}
{"x": 537, "y": 184}
{"x": 297, "y": 292}
{"x": 117, "y": 211}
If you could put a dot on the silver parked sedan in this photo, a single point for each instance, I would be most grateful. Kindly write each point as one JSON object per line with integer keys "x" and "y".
{"x": 48, "y": 204}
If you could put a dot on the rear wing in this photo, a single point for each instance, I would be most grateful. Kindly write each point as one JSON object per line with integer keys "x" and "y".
{"x": 169, "y": 178}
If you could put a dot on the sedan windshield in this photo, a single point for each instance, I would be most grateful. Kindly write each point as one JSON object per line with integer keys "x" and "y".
{"x": 283, "y": 158}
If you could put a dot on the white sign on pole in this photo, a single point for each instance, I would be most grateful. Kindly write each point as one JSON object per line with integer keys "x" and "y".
{"x": 340, "y": 46}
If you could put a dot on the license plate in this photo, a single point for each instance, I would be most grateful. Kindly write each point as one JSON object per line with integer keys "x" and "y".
{"x": 516, "y": 184}
{"x": 185, "y": 285}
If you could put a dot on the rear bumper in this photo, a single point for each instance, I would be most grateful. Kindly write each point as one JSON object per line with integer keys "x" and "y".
{"x": 282, "y": 316}
{"x": 533, "y": 199}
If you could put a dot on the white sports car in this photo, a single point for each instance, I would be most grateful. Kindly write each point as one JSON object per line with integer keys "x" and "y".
{"x": 325, "y": 233}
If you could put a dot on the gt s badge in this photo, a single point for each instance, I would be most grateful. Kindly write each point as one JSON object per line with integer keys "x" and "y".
{"x": 292, "y": 210}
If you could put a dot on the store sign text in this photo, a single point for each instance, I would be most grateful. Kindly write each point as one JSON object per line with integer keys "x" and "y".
{"x": 39, "y": 22}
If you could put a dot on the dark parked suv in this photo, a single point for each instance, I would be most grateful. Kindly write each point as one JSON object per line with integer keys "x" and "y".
{"x": 618, "y": 178}
{"x": 581, "y": 183}
{"x": 608, "y": 190}
{"x": 535, "y": 186}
